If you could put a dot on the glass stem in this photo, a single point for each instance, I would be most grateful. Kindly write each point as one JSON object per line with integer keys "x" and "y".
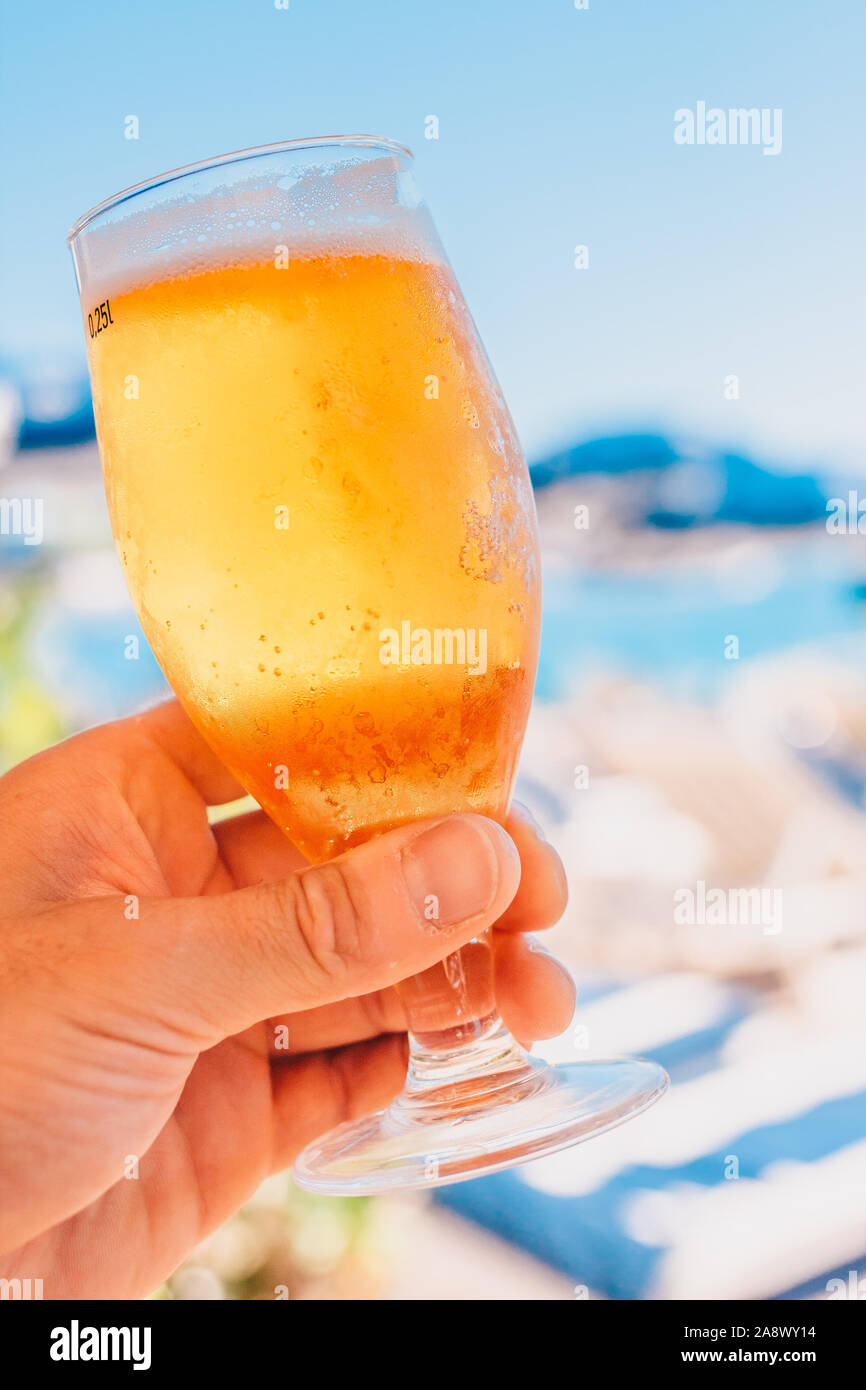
{"x": 459, "y": 1063}
{"x": 493, "y": 1051}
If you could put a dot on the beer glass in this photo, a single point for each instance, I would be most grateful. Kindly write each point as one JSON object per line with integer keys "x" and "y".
{"x": 327, "y": 527}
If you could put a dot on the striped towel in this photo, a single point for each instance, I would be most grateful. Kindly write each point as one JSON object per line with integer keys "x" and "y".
{"x": 748, "y": 1180}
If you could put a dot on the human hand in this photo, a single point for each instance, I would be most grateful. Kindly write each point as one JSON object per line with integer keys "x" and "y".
{"x": 143, "y": 1099}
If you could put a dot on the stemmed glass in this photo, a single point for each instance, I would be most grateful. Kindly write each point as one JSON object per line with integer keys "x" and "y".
{"x": 327, "y": 527}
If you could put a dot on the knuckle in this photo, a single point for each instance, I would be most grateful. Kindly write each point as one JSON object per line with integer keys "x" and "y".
{"x": 379, "y": 1016}
{"x": 340, "y": 1082}
{"x": 329, "y": 919}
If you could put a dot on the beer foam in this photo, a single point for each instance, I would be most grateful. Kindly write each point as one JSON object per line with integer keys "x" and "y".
{"x": 353, "y": 205}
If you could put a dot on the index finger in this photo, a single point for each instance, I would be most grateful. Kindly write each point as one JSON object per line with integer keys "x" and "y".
{"x": 542, "y": 895}
{"x": 170, "y": 728}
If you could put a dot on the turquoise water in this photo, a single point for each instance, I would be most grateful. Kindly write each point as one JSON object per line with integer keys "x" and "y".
{"x": 672, "y": 627}
{"x": 666, "y": 625}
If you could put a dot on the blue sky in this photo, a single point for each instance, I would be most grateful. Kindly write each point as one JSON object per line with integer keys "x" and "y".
{"x": 555, "y": 129}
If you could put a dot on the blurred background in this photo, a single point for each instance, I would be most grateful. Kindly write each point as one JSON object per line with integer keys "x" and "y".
{"x": 678, "y": 330}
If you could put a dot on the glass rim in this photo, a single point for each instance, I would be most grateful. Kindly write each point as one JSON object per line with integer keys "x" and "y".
{"x": 236, "y": 156}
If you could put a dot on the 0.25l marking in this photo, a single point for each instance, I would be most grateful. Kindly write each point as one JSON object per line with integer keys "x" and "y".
{"x": 99, "y": 318}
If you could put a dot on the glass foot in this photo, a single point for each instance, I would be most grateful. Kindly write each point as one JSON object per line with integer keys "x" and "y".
{"x": 446, "y": 1133}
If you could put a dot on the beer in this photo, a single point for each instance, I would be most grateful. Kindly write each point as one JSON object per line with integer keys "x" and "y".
{"x": 324, "y": 518}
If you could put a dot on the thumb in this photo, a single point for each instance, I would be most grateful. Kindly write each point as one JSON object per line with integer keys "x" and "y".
{"x": 370, "y": 918}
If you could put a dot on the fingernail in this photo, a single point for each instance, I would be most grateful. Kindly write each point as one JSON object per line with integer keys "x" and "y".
{"x": 452, "y": 870}
{"x": 523, "y": 810}
{"x": 536, "y": 947}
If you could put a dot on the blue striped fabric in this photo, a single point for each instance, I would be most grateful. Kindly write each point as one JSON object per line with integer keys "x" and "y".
{"x": 596, "y": 1235}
